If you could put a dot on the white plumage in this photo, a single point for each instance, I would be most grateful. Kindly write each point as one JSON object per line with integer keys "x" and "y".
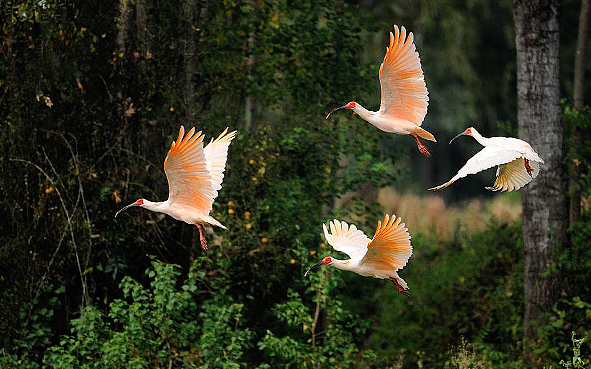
{"x": 404, "y": 95}
{"x": 380, "y": 257}
{"x": 195, "y": 175}
{"x": 517, "y": 162}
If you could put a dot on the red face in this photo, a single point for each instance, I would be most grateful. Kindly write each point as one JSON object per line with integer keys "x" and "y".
{"x": 351, "y": 105}
{"x": 327, "y": 260}
{"x": 139, "y": 202}
{"x": 468, "y": 131}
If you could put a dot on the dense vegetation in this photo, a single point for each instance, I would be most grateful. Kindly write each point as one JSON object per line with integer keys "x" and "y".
{"x": 92, "y": 96}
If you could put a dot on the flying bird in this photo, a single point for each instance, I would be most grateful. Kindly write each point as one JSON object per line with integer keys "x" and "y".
{"x": 404, "y": 96}
{"x": 195, "y": 175}
{"x": 517, "y": 162}
{"x": 380, "y": 257}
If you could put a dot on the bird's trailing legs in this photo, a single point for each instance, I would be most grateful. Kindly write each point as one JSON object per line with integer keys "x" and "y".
{"x": 399, "y": 287}
{"x": 422, "y": 148}
{"x": 202, "y": 237}
{"x": 528, "y": 168}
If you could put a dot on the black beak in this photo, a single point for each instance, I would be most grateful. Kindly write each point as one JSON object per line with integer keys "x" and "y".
{"x": 313, "y": 267}
{"x": 340, "y": 108}
{"x": 125, "y": 208}
{"x": 450, "y": 141}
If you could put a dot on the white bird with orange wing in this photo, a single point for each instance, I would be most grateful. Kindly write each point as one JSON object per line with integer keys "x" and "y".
{"x": 404, "y": 95}
{"x": 195, "y": 175}
{"x": 380, "y": 257}
{"x": 517, "y": 162}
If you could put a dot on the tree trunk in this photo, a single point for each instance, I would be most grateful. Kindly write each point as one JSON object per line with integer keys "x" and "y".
{"x": 250, "y": 104}
{"x": 544, "y": 200}
{"x": 189, "y": 44}
{"x": 580, "y": 53}
{"x": 579, "y": 99}
{"x": 123, "y": 24}
{"x": 143, "y": 9}
{"x": 123, "y": 41}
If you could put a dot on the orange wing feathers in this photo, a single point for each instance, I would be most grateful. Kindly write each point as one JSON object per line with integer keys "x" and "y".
{"x": 403, "y": 88}
{"x": 189, "y": 180}
{"x": 390, "y": 246}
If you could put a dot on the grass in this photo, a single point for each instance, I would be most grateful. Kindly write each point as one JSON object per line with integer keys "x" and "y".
{"x": 430, "y": 214}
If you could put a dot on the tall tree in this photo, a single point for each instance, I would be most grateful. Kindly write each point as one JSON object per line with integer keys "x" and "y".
{"x": 579, "y": 101}
{"x": 190, "y": 10}
{"x": 545, "y": 200}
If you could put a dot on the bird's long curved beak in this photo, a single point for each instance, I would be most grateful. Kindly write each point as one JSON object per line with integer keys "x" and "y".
{"x": 461, "y": 134}
{"x": 339, "y": 108}
{"x": 313, "y": 267}
{"x": 125, "y": 208}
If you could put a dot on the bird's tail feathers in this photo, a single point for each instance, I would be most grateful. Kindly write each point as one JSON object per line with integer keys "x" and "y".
{"x": 424, "y": 134}
{"x": 211, "y": 220}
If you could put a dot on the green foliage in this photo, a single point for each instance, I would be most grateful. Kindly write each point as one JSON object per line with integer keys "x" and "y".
{"x": 34, "y": 334}
{"x": 331, "y": 344}
{"x": 579, "y": 121}
{"x": 576, "y": 361}
{"x": 471, "y": 287}
{"x": 159, "y": 326}
{"x": 86, "y": 132}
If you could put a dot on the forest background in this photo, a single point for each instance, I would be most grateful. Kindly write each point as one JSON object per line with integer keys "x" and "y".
{"x": 93, "y": 93}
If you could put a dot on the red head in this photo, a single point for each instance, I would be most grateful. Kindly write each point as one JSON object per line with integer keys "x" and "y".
{"x": 325, "y": 261}
{"x": 350, "y": 105}
{"x": 467, "y": 132}
{"x": 138, "y": 202}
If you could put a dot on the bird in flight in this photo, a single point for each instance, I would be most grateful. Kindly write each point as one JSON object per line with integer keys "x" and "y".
{"x": 195, "y": 175}
{"x": 517, "y": 162}
{"x": 404, "y": 96}
{"x": 380, "y": 257}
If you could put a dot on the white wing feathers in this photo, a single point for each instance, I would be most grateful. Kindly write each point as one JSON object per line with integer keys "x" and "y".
{"x": 216, "y": 153}
{"x": 488, "y": 157}
{"x": 347, "y": 238}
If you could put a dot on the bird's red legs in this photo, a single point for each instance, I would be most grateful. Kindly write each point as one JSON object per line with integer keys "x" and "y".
{"x": 422, "y": 148}
{"x": 528, "y": 168}
{"x": 400, "y": 288}
{"x": 201, "y": 237}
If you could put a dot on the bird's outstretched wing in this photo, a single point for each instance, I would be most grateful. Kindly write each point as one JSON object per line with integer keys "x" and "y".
{"x": 488, "y": 157}
{"x": 347, "y": 238}
{"x": 390, "y": 247}
{"x": 216, "y": 153}
{"x": 514, "y": 175}
{"x": 189, "y": 180}
{"x": 404, "y": 92}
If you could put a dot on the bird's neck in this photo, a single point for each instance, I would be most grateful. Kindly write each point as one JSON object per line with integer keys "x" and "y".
{"x": 154, "y": 206}
{"x": 341, "y": 264}
{"x": 363, "y": 112}
{"x": 478, "y": 137}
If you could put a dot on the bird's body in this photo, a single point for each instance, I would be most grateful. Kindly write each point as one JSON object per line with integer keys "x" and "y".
{"x": 194, "y": 174}
{"x": 517, "y": 161}
{"x": 187, "y": 214}
{"x": 380, "y": 257}
{"x": 404, "y": 95}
